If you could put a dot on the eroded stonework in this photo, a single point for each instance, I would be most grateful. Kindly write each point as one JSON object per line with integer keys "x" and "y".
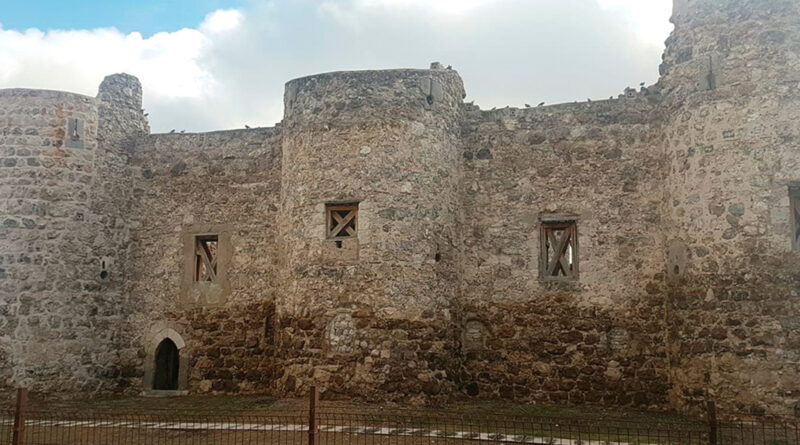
{"x": 113, "y": 239}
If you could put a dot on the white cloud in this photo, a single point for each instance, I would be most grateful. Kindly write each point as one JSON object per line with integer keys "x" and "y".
{"x": 167, "y": 63}
{"x": 222, "y": 20}
{"x": 647, "y": 16}
{"x": 77, "y": 59}
{"x": 230, "y": 69}
{"x": 436, "y": 6}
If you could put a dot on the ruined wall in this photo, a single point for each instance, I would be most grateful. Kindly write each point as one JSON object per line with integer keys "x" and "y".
{"x": 731, "y": 74}
{"x": 688, "y": 285}
{"x": 59, "y": 226}
{"x": 225, "y": 182}
{"x": 371, "y": 317}
{"x": 599, "y": 339}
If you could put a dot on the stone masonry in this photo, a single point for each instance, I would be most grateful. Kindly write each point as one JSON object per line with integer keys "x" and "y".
{"x": 387, "y": 241}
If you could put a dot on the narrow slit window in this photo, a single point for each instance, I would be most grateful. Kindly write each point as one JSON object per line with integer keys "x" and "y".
{"x": 205, "y": 264}
{"x": 342, "y": 220}
{"x": 559, "y": 250}
{"x": 794, "y": 198}
{"x": 74, "y": 138}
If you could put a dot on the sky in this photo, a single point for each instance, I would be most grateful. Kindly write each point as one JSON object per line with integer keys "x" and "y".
{"x": 219, "y": 64}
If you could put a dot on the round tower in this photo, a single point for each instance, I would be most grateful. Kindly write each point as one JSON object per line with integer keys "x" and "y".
{"x": 731, "y": 87}
{"x": 369, "y": 209}
{"x": 49, "y": 141}
{"x": 62, "y": 232}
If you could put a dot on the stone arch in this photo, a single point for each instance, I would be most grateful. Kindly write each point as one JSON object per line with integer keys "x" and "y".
{"x": 167, "y": 366}
{"x": 161, "y": 344}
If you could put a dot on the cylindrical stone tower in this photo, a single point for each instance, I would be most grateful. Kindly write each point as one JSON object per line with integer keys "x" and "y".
{"x": 62, "y": 200}
{"x": 368, "y": 217}
{"x": 731, "y": 84}
{"x": 48, "y": 141}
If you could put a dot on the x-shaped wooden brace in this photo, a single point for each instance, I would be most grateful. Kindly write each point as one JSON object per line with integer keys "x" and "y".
{"x": 210, "y": 263}
{"x": 342, "y": 223}
{"x": 559, "y": 251}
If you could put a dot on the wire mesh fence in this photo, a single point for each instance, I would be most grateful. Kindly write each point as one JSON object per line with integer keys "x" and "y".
{"x": 6, "y": 425}
{"x": 759, "y": 433}
{"x": 163, "y": 427}
{"x": 412, "y": 429}
{"x": 398, "y": 427}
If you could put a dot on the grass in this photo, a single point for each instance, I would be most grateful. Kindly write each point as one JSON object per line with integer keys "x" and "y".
{"x": 261, "y": 405}
{"x": 255, "y": 405}
{"x": 180, "y": 405}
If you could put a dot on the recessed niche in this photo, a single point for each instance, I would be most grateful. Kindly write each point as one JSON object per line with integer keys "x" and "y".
{"x": 105, "y": 267}
{"x": 677, "y": 259}
{"x": 341, "y": 334}
{"x": 474, "y": 335}
{"x": 74, "y": 137}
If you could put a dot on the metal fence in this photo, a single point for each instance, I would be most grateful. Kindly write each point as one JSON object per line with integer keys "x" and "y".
{"x": 322, "y": 427}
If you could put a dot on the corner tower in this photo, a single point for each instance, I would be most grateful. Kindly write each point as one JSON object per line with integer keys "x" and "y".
{"x": 731, "y": 83}
{"x": 64, "y": 234}
{"x": 379, "y": 151}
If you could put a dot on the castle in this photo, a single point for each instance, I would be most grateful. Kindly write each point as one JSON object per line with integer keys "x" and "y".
{"x": 388, "y": 241}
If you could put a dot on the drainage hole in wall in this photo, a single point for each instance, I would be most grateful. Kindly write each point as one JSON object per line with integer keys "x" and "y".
{"x": 338, "y": 244}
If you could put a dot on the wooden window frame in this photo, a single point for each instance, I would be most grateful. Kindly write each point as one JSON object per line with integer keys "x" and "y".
{"x": 794, "y": 209}
{"x": 551, "y": 271}
{"x": 202, "y": 255}
{"x": 332, "y": 226}
{"x": 205, "y": 293}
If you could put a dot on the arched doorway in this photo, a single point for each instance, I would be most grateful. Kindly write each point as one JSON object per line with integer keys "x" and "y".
{"x": 166, "y": 366}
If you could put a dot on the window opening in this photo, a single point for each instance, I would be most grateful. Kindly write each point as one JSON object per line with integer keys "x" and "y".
{"x": 206, "y": 258}
{"x": 559, "y": 250}
{"x": 342, "y": 220}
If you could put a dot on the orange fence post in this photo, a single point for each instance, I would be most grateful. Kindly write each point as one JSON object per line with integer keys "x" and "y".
{"x": 19, "y": 417}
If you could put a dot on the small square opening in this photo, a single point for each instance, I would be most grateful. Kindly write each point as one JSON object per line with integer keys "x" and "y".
{"x": 341, "y": 221}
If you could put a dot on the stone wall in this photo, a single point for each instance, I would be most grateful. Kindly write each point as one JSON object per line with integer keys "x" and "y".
{"x": 688, "y": 284}
{"x": 597, "y": 339}
{"x": 370, "y": 315}
{"x": 731, "y": 75}
{"x": 223, "y": 182}
{"x": 63, "y": 195}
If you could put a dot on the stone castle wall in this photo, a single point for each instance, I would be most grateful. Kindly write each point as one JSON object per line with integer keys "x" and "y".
{"x": 61, "y": 194}
{"x": 731, "y": 75}
{"x": 389, "y": 141}
{"x": 602, "y": 337}
{"x": 688, "y": 280}
{"x": 227, "y": 182}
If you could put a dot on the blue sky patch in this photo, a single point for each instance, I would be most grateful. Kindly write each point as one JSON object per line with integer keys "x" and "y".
{"x": 145, "y": 16}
